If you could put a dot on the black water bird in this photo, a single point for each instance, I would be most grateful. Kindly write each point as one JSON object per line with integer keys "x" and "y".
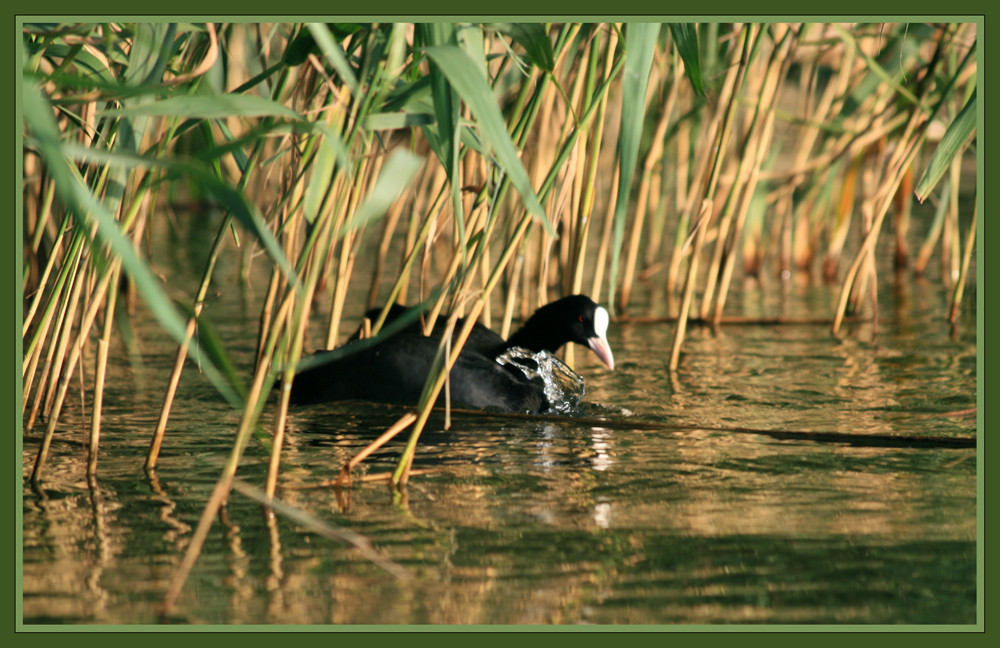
{"x": 395, "y": 368}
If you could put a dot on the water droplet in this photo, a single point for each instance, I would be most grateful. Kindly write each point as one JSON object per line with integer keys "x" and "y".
{"x": 564, "y": 388}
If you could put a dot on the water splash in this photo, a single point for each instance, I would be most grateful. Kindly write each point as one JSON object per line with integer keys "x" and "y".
{"x": 564, "y": 388}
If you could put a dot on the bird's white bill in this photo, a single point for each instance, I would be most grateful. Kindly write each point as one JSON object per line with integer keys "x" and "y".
{"x": 600, "y": 346}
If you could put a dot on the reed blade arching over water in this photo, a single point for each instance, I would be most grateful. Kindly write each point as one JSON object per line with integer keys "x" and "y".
{"x": 489, "y": 164}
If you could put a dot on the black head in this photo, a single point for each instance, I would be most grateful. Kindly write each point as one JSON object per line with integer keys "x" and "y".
{"x": 571, "y": 319}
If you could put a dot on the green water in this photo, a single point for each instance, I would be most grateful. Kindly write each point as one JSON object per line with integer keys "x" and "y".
{"x": 695, "y": 520}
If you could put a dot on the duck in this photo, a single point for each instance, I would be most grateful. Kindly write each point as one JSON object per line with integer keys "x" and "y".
{"x": 394, "y": 368}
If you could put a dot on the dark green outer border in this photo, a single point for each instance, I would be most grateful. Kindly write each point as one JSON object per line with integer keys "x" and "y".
{"x": 439, "y": 10}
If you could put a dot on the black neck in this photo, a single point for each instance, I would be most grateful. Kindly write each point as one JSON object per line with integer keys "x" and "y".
{"x": 536, "y": 337}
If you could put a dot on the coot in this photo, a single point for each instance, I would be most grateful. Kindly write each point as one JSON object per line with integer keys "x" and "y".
{"x": 394, "y": 369}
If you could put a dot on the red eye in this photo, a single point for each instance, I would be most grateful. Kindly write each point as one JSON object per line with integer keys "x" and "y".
{"x": 580, "y": 318}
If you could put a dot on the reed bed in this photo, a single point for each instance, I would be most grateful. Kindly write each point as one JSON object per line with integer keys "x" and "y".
{"x": 510, "y": 163}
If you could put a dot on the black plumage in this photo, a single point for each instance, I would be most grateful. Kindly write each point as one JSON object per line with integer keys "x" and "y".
{"x": 394, "y": 369}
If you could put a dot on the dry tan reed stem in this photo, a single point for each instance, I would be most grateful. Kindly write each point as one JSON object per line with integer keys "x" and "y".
{"x": 741, "y": 214}
{"x": 423, "y": 190}
{"x": 583, "y": 211}
{"x": 221, "y": 490}
{"x": 102, "y": 363}
{"x": 653, "y": 157}
{"x": 681, "y": 180}
{"x": 64, "y": 379}
{"x": 61, "y": 341}
{"x": 708, "y": 165}
{"x": 80, "y": 369}
{"x": 344, "y": 477}
{"x": 356, "y": 540}
{"x": 547, "y": 139}
{"x": 345, "y": 268}
{"x": 508, "y": 311}
{"x": 869, "y": 183}
{"x": 741, "y": 186}
{"x": 277, "y": 439}
{"x": 204, "y": 65}
{"x": 219, "y": 495}
{"x": 569, "y": 239}
{"x": 701, "y": 183}
{"x": 602, "y": 250}
{"x": 175, "y": 375}
{"x": 38, "y": 212}
{"x": 95, "y": 421}
{"x": 658, "y": 219}
{"x": 331, "y": 258}
{"x": 586, "y": 215}
{"x": 435, "y": 311}
{"x": 970, "y": 241}
{"x": 401, "y": 288}
{"x": 724, "y": 115}
{"x": 483, "y": 277}
{"x": 362, "y": 177}
{"x": 701, "y": 225}
{"x": 901, "y": 158}
{"x": 400, "y": 477}
{"x": 388, "y": 229}
{"x": 264, "y": 321}
{"x": 416, "y": 237}
{"x": 901, "y": 219}
{"x": 565, "y": 178}
{"x": 748, "y": 169}
{"x": 785, "y": 208}
{"x": 824, "y": 108}
{"x": 576, "y": 225}
{"x": 413, "y": 247}
{"x": 951, "y": 245}
{"x": 475, "y": 221}
{"x": 300, "y": 320}
{"x": 873, "y": 290}
{"x": 26, "y": 390}
{"x": 930, "y": 241}
{"x": 55, "y": 257}
{"x": 33, "y": 353}
{"x": 842, "y": 217}
{"x": 821, "y": 114}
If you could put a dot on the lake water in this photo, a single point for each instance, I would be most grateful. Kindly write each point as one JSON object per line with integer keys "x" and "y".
{"x": 781, "y": 476}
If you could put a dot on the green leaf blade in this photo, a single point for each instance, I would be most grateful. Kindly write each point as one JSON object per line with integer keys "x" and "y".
{"x": 471, "y": 84}
{"x": 952, "y": 144}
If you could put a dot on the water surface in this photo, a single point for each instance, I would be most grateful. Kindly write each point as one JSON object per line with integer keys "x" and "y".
{"x": 679, "y": 509}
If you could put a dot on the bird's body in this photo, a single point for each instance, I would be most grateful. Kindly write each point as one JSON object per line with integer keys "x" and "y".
{"x": 394, "y": 369}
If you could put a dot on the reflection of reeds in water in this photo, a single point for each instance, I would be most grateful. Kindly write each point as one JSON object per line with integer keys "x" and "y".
{"x": 547, "y": 159}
